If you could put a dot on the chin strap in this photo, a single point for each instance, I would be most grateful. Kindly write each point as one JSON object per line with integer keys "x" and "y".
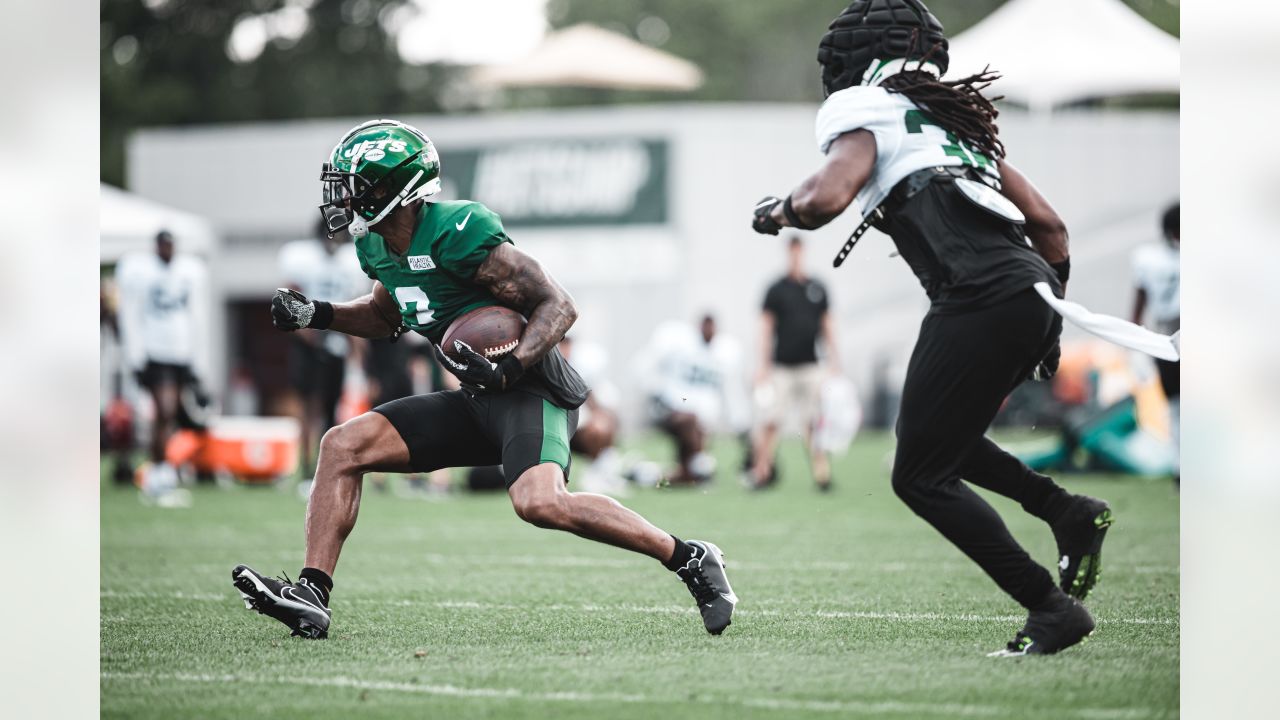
{"x": 358, "y": 228}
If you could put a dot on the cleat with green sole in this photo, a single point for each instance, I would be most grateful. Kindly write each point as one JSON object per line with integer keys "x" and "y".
{"x": 1079, "y": 533}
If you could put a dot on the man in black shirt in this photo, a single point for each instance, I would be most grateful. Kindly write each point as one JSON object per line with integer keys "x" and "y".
{"x": 789, "y": 381}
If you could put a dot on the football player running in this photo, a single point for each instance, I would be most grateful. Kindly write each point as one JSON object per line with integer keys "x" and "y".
{"x": 922, "y": 158}
{"x": 431, "y": 263}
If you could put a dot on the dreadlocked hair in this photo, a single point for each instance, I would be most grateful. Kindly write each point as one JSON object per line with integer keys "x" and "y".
{"x": 956, "y": 105}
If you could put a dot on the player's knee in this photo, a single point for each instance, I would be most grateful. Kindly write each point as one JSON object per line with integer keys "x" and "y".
{"x": 909, "y": 481}
{"x": 544, "y": 510}
{"x": 904, "y": 487}
{"x": 344, "y": 445}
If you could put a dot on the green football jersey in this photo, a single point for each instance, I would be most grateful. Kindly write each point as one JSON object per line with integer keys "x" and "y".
{"x": 433, "y": 282}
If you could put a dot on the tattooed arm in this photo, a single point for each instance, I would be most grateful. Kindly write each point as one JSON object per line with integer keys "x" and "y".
{"x": 520, "y": 283}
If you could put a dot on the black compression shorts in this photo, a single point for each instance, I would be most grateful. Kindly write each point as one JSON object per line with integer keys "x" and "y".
{"x": 156, "y": 373}
{"x": 456, "y": 429}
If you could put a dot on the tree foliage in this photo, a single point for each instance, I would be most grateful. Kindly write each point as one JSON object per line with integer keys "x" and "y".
{"x": 166, "y": 62}
{"x": 764, "y": 50}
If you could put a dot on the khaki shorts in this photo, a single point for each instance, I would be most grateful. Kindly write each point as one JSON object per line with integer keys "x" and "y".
{"x": 792, "y": 394}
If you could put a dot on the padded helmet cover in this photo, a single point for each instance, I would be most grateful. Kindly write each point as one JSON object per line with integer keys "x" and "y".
{"x": 870, "y": 30}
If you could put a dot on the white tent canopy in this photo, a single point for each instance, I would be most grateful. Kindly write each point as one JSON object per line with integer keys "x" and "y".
{"x": 130, "y": 222}
{"x": 585, "y": 55}
{"x": 1052, "y": 52}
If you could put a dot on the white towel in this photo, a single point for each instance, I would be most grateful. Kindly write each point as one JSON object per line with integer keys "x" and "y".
{"x": 1113, "y": 329}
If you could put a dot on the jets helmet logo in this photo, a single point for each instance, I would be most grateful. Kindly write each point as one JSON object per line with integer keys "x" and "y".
{"x": 373, "y": 150}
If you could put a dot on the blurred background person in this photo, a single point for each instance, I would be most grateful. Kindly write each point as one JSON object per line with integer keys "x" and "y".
{"x": 324, "y": 268}
{"x": 789, "y": 378}
{"x": 397, "y": 369}
{"x": 1156, "y": 277}
{"x": 163, "y": 307}
{"x": 693, "y": 383}
{"x": 597, "y": 430}
{"x": 117, "y": 433}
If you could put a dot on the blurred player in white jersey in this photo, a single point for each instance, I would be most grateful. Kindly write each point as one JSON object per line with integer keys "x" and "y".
{"x": 1156, "y": 273}
{"x": 597, "y": 418}
{"x": 694, "y": 383}
{"x": 325, "y": 269}
{"x": 163, "y": 314}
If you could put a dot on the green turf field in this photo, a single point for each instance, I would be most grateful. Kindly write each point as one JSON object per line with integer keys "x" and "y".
{"x": 850, "y": 607}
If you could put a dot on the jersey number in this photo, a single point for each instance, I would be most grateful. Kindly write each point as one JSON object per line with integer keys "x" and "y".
{"x": 412, "y": 298}
{"x": 916, "y": 121}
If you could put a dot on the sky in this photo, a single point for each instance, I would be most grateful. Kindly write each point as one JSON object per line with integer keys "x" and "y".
{"x": 473, "y": 32}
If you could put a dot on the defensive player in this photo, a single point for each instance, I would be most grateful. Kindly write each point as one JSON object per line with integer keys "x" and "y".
{"x": 432, "y": 263}
{"x": 922, "y": 158}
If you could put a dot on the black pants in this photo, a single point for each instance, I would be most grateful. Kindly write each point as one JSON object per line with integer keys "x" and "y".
{"x": 1170, "y": 380}
{"x": 962, "y": 368}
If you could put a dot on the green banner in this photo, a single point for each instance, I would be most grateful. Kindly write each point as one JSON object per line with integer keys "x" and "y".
{"x": 542, "y": 182}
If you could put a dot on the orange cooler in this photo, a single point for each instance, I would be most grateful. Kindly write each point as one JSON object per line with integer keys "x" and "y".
{"x": 253, "y": 449}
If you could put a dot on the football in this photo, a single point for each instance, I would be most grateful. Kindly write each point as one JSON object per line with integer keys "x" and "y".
{"x": 492, "y": 331}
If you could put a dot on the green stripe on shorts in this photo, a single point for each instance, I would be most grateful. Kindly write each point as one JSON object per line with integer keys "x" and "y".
{"x": 555, "y": 435}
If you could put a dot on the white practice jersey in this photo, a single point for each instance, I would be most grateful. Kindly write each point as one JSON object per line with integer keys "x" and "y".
{"x": 304, "y": 264}
{"x": 684, "y": 373}
{"x": 1156, "y": 269}
{"x": 907, "y": 140}
{"x": 163, "y": 308}
{"x": 591, "y": 361}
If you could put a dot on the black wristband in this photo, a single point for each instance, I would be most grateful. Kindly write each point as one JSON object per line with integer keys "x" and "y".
{"x": 323, "y": 316}
{"x": 792, "y": 217}
{"x": 1063, "y": 269}
{"x": 511, "y": 369}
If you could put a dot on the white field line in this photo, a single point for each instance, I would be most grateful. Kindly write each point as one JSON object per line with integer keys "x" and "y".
{"x": 887, "y": 707}
{"x": 899, "y": 617}
{"x": 735, "y": 565}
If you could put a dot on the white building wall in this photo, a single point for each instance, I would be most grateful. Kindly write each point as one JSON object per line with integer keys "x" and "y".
{"x": 1109, "y": 174}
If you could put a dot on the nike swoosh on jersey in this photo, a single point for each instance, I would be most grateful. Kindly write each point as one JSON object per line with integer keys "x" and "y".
{"x": 463, "y": 223}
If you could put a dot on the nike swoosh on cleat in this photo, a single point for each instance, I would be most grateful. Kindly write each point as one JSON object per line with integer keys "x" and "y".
{"x": 291, "y": 594}
{"x": 463, "y": 223}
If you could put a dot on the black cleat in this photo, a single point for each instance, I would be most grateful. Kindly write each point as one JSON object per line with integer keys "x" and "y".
{"x": 1080, "y": 532}
{"x": 704, "y": 574}
{"x": 298, "y": 605}
{"x": 1048, "y": 631}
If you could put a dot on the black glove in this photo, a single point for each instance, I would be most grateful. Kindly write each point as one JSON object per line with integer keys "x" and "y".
{"x": 763, "y": 214}
{"x": 477, "y": 373}
{"x": 1048, "y": 367}
{"x": 291, "y": 310}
